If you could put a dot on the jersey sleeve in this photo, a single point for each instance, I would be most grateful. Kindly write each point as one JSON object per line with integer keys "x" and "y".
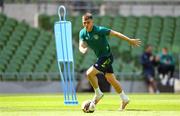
{"x": 104, "y": 30}
{"x": 81, "y": 36}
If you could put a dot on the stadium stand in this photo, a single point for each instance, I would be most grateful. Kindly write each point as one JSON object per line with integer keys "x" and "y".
{"x": 28, "y": 53}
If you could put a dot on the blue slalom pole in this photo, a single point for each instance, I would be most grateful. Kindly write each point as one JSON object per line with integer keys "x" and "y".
{"x": 64, "y": 65}
{"x": 65, "y": 58}
{"x": 71, "y": 87}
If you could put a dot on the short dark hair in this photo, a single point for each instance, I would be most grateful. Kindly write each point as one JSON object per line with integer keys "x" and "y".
{"x": 87, "y": 16}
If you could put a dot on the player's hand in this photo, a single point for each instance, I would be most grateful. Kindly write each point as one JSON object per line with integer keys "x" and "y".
{"x": 83, "y": 50}
{"x": 135, "y": 42}
{"x": 151, "y": 58}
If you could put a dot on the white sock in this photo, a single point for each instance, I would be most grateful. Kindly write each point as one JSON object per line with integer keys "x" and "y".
{"x": 124, "y": 96}
{"x": 98, "y": 91}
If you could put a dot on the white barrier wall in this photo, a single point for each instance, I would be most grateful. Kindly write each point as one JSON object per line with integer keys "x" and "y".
{"x": 55, "y": 87}
{"x": 28, "y": 12}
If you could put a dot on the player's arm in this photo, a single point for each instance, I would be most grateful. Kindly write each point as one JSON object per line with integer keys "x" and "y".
{"x": 133, "y": 42}
{"x": 83, "y": 47}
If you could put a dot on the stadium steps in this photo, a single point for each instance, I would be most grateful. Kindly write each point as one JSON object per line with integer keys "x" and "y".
{"x": 26, "y": 50}
{"x": 167, "y": 34}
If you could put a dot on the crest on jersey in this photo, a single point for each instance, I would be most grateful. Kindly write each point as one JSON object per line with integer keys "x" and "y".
{"x": 96, "y": 37}
{"x": 86, "y": 38}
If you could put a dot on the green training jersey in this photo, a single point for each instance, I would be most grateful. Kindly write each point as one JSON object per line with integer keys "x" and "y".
{"x": 97, "y": 40}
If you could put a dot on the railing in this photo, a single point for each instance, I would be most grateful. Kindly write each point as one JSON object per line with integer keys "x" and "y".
{"x": 51, "y": 76}
{"x": 30, "y": 76}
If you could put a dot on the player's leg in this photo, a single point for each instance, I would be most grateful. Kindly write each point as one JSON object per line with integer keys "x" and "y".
{"x": 152, "y": 86}
{"x": 110, "y": 77}
{"x": 171, "y": 70}
{"x": 91, "y": 75}
{"x": 115, "y": 83}
{"x": 99, "y": 67}
{"x": 149, "y": 87}
{"x": 156, "y": 90}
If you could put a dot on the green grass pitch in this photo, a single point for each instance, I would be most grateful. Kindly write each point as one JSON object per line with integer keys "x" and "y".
{"x": 52, "y": 105}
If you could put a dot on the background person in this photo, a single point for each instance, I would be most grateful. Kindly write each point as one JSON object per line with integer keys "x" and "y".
{"x": 166, "y": 66}
{"x": 148, "y": 62}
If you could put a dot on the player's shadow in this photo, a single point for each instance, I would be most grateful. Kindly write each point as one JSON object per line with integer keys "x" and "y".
{"x": 137, "y": 110}
{"x": 132, "y": 110}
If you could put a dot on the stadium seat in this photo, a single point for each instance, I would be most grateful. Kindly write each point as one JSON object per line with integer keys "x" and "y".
{"x": 9, "y": 76}
{"x": 114, "y": 42}
{"x": 77, "y": 58}
{"x": 124, "y": 47}
{"x": 3, "y": 40}
{"x": 97, "y": 20}
{"x": 144, "y": 21}
{"x": 117, "y": 65}
{"x": 2, "y": 17}
{"x": 118, "y": 23}
{"x": 54, "y": 71}
{"x": 77, "y": 25}
{"x": 10, "y": 22}
{"x": 3, "y": 64}
{"x": 88, "y": 60}
{"x": 106, "y": 21}
{"x": 2, "y": 67}
{"x": 135, "y": 53}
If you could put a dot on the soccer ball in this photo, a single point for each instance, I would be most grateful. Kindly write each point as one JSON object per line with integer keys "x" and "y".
{"x": 88, "y": 106}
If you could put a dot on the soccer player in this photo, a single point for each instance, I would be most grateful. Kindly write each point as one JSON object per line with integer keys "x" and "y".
{"x": 95, "y": 37}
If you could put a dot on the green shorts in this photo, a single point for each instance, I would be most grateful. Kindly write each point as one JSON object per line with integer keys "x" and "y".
{"x": 104, "y": 64}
